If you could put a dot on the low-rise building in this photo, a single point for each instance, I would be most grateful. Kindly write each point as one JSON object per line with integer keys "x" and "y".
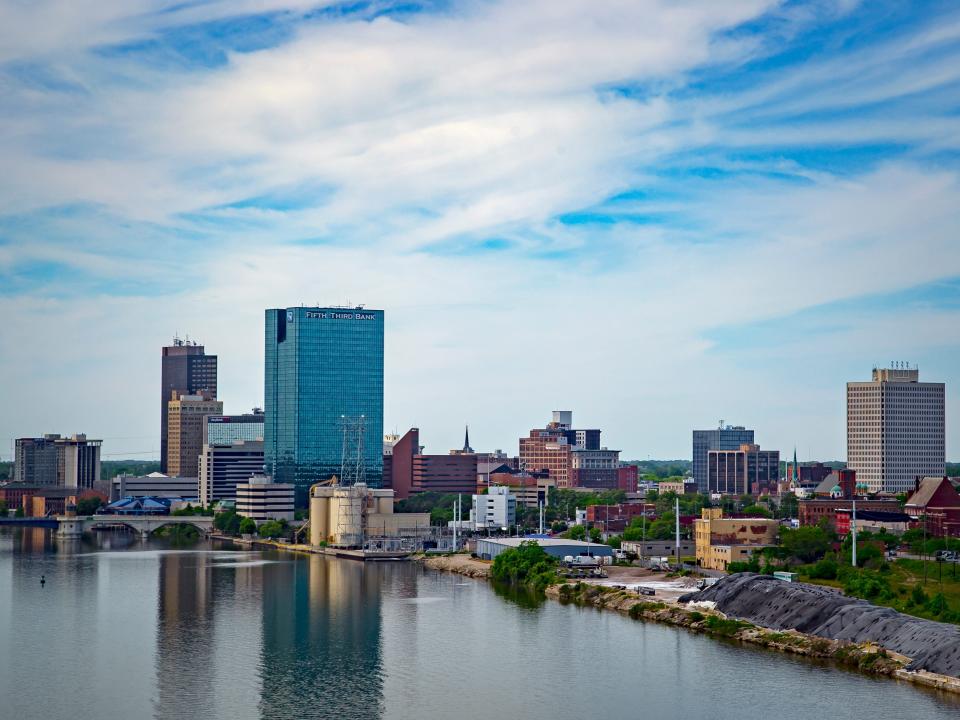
{"x": 496, "y": 509}
{"x": 531, "y": 490}
{"x": 658, "y": 548}
{"x": 895, "y": 523}
{"x": 152, "y": 485}
{"x": 489, "y": 548}
{"x": 812, "y": 511}
{"x": 721, "y": 540}
{"x": 262, "y": 499}
{"x": 616, "y": 518}
{"x": 936, "y": 502}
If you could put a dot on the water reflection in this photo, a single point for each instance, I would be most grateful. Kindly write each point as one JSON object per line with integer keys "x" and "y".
{"x": 321, "y": 640}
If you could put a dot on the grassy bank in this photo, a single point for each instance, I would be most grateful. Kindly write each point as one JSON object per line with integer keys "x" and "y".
{"x": 865, "y": 657}
{"x": 900, "y": 585}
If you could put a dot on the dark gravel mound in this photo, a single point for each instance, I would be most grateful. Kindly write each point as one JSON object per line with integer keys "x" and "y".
{"x": 823, "y": 612}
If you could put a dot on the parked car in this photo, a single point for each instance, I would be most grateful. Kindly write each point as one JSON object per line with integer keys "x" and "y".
{"x": 945, "y": 556}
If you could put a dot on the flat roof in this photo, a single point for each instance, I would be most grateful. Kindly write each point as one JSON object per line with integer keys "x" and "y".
{"x": 546, "y": 542}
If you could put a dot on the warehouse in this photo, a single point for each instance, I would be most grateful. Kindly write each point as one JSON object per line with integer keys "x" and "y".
{"x": 489, "y": 548}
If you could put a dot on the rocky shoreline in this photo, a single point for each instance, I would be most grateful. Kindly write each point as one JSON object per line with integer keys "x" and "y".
{"x": 867, "y": 657}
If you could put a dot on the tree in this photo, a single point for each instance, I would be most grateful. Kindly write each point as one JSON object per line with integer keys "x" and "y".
{"x": 789, "y": 505}
{"x": 757, "y": 511}
{"x": 595, "y": 534}
{"x": 577, "y": 532}
{"x": 271, "y": 529}
{"x": 88, "y": 506}
{"x": 248, "y": 526}
{"x": 233, "y": 525}
{"x": 807, "y": 544}
{"x": 525, "y": 564}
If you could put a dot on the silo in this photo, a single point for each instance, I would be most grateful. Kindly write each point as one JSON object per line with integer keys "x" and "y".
{"x": 349, "y": 528}
{"x": 319, "y": 522}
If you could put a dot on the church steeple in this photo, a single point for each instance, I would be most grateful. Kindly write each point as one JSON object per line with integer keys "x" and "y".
{"x": 466, "y": 440}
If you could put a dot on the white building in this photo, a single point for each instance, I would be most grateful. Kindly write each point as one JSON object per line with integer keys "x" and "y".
{"x": 895, "y": 429}
{"x": 496, "y": 509}
{"x": 224, "y": 466}
{"x": 262, "y": 499}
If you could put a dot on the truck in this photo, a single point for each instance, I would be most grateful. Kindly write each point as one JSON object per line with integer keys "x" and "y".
{"x": 581, "y": 561}
{"x": 706, "y": 582}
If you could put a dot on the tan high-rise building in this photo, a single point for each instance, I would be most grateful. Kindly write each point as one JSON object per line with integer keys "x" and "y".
{"x": 895, "y": 429}
{"x": 186, "y": 418}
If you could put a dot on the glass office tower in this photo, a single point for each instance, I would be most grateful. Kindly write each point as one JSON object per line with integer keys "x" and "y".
{"x": 323, "y": 371}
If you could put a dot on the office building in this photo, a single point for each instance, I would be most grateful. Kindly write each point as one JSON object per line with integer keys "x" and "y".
{"x": 748, "y": 470}
{"x": 78, "y": 462}
{"x": 594, "y": 469}
{"x": 323, "y": 396}
{"x": 497, "y": 509}
{"x": 225, "y": 429}
{"x": 729, "y": 437}
{"x": 153, "y": 485}
{"x": 895, "y": 429}
{"x": 35, "y": 460}
{"x": 551, "y": 449}
{"x": 186, "y": 421}
{"x": 186, "y": 370}
{"x": 223, "y": 466}
{"x": 443, "y": 473}
{"x": 262, "y": 499}
{"x": 52, "y": 460}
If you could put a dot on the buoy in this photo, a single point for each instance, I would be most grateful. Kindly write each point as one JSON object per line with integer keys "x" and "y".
{"x": 43, "y": 580}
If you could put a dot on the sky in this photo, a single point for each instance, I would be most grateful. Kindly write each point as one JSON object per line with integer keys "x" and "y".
{"x": 660, "y": 214}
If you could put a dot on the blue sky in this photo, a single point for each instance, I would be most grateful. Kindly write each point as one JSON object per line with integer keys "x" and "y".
{"x": 657, "y": 214}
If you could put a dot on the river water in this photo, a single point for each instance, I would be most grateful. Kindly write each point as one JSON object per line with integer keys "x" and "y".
{"x": 126, "y": 629}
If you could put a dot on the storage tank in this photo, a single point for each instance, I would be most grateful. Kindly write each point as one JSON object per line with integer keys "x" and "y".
{"x": 319, "y": 525}
{"x": 385, "y": 503}
{"x": 349, "y": 515}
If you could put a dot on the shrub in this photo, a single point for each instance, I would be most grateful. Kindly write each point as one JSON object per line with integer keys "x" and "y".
{"x": 825, "y": 569}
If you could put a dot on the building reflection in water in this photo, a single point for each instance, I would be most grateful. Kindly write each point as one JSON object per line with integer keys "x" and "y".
{"x": 321, "y": 652}
{"x": 185, "y": 642}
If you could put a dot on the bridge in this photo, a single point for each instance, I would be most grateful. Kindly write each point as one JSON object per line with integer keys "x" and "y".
{"x": 70, "y": 527}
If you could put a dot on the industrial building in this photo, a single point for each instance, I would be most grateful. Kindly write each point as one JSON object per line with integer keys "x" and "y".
{"x": 351, "y": 515}
{"x": 722, "y": 540}
{"x": 489, "y": 548}
{"x": 496, "y": 509}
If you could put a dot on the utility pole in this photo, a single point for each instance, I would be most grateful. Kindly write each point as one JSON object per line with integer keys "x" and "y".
{"x": 853, "y": 529}
{"x": 676, "y": 518}
{"x": 456, "y": 521}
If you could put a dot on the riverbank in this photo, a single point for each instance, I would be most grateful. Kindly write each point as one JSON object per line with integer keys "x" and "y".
{"x": 461, "y": 564}
{"x": 867, "y": 657}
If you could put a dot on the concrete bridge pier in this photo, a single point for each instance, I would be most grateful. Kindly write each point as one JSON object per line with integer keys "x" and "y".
{"x": 69, "y": 527}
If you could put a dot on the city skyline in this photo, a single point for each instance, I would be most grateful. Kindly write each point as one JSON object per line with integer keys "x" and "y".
{"x": 655, "y": 235}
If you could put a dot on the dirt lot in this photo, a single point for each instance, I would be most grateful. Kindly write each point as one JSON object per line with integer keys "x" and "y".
{"x": 665, "y": 589}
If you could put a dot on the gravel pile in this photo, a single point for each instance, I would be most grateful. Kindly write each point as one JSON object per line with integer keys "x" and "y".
{"x": 815, "y": 610}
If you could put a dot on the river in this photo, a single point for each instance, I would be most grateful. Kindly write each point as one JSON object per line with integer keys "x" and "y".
{"x": 127, "y": 629}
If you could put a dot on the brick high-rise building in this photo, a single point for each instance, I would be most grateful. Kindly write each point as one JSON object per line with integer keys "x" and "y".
{"x": 187, "y": 370}
{"x": 895, "y": 429}
{"x": 186, "y": 420}
{"x": 572, "y": 458}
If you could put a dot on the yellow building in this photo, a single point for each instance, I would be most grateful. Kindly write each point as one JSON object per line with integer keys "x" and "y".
{"x": 721, "y": 541}
{"x": 349, "y": 516}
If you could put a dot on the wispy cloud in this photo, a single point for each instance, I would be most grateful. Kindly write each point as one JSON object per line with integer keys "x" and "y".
{"x": 635, "y": 187}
